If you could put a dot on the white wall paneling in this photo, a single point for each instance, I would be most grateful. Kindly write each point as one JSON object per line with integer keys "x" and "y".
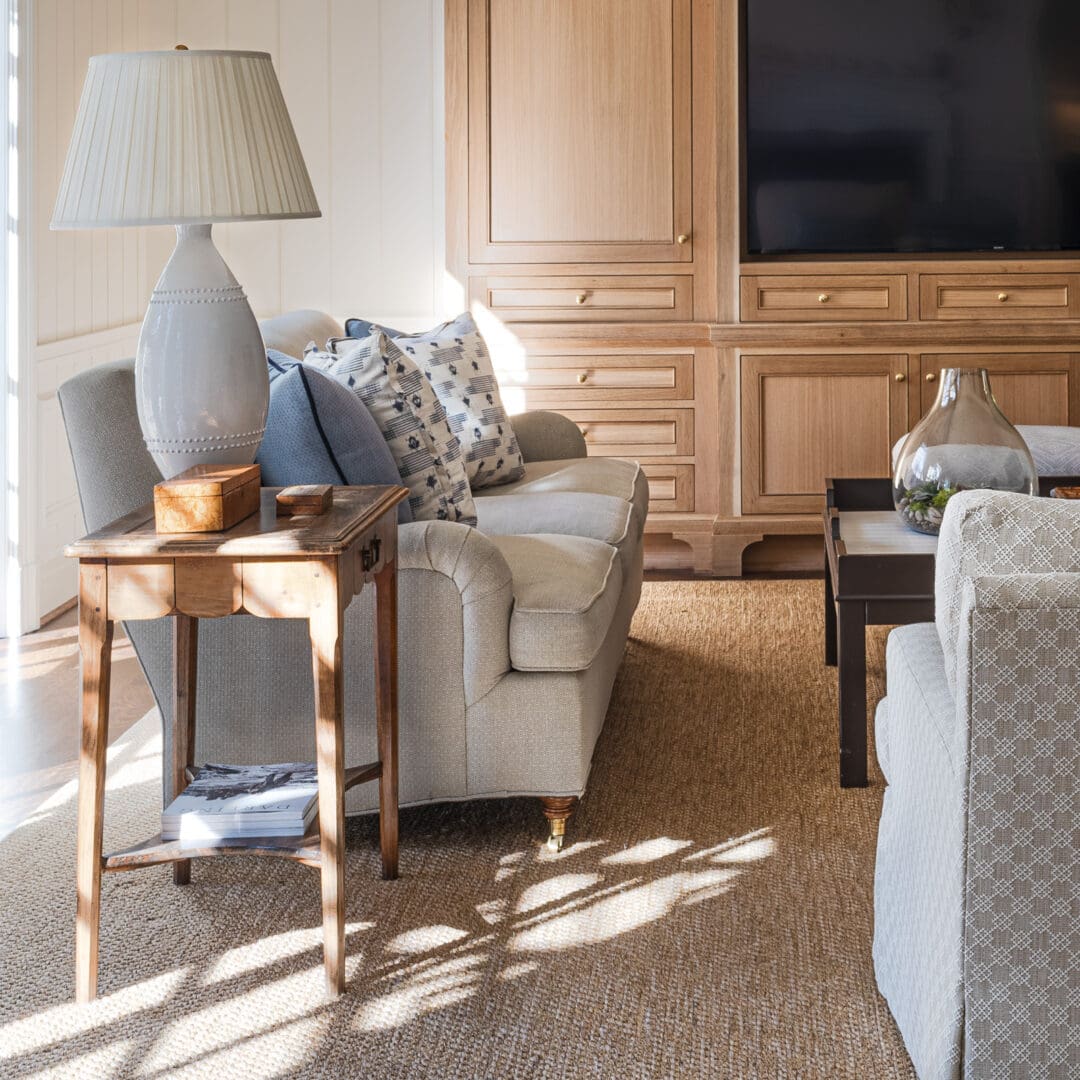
{"x": 364, "y": 83}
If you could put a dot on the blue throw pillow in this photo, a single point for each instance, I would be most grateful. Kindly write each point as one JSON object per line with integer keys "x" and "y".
{"x": 361, "y": 328}
{"x": 318, "y": 432}
{"x": 277, "y": 363}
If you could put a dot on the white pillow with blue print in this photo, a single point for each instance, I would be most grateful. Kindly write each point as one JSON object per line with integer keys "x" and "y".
{"x": 412, "y": 421}
{"x": 455, "y": 358}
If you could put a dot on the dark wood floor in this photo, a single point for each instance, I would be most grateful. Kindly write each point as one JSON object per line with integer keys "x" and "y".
{"x": 39, "y": 712}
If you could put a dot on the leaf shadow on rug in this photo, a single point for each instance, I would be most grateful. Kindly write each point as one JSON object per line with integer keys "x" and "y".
{"x": 711, "y": 914}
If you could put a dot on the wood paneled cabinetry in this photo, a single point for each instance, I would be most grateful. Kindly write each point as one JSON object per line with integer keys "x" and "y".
{"x": 580, "y": 131}
{"x": 805, "y": 418}
{"x": 1029, "y": 387}
{"x": 593, "y": 209}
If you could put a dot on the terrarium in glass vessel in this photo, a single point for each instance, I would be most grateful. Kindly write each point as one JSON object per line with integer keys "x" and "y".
{"x": 963, "y": 442}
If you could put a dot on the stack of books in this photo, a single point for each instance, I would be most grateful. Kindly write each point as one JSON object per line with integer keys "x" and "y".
{"x": 235, "y": 802}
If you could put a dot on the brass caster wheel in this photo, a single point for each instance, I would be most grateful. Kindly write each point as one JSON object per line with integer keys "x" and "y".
{"x": 555, "y": 843}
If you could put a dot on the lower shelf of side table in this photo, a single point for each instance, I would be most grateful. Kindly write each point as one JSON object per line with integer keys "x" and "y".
{"x": 303, "y": 849}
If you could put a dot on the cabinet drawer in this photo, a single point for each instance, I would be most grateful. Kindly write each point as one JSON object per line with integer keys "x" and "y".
{"x": 671, "y": 487}
{"x": 585, "y": 378}
{"x": 635, "y": 433}
{"x": 1001, "y": 296}
{"x": 587, "y": 299}
{"x": 840, "y": 298}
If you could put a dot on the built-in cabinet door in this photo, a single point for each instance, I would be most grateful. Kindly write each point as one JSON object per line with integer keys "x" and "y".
{"x": 1030, "y": 388}
{"x": 580, "y": 131}
{"x": 805, "y": 418}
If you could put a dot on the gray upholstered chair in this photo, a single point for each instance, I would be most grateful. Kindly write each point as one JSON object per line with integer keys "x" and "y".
{"x": 977, "y": 885}
{"x": 510, "y": 634}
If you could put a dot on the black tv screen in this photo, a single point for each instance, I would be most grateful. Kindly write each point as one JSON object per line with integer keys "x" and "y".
{"x": 922, "y": 126}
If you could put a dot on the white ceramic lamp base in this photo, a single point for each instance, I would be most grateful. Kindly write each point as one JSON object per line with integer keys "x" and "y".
{"x": 201, "y": 383}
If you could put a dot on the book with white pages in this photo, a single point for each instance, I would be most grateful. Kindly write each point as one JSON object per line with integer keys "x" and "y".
{"x": 233, "y": 802}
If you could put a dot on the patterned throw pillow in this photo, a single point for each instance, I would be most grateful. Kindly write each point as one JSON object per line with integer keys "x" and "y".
{"x": 411, "y": 419}
{"x": 456, "y": 360}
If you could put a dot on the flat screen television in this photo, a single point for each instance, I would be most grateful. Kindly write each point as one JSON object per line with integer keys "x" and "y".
{"x": 917, "y": 126}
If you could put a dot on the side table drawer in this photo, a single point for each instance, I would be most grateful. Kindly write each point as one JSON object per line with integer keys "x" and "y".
{"x": 584, "y": 378}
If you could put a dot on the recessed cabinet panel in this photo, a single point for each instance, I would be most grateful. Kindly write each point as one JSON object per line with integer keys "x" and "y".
{"x": 591, "y": 378}
{"x": 818, "y": 298}
{"x": 1030, "y": 388}
{"x": 580, "y": 131}
{"x": 586, "y": 299}
{"x": 636, "y": 433}
{"x": 806, "y": 418}
{"x": 1020, "y": 297}
{"x": 671, "y": 487}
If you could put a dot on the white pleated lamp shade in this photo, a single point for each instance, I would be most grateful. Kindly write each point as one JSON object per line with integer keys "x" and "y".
{"x": 182, "y": 137}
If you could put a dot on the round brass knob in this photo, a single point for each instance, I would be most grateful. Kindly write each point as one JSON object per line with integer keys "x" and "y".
{"x": 823, "y": 298}
{"x": 1002, "y": 297}
{"x": 682, "y": 238}
{"x": 931, "y": 377}
{"x": 581, "y": 298}
{"x": 583, "y": 378}
{"x": 900, "y": 377}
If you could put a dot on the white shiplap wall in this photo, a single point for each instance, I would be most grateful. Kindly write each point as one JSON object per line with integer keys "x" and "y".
{"x": 364, "y": 83}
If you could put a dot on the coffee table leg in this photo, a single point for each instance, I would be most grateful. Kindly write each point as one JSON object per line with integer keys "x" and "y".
{"x": 386, "y": 680}
{"x": 185, "y": 668}
{"x": 95, "y": 650}
{"x": 830, "y": 615}
{"x": 326, "y": 627}
{"x": 852, "y": 692}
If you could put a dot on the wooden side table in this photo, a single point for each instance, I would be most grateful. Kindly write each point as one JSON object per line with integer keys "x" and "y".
{"x": 274, "y": 568}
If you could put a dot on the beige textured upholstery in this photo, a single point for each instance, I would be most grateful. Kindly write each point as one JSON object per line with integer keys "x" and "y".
{"x": 976, "y": 916}
{"x": 550, "y": 580}
{"x": 566, "y": 589}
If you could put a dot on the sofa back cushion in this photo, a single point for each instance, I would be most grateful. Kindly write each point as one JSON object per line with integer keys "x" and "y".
{"x": 317, "y": 432}
{"x": 992, "y": 534}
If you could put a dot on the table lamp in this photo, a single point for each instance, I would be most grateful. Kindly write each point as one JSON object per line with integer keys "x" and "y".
{"x": 189, "y": 138}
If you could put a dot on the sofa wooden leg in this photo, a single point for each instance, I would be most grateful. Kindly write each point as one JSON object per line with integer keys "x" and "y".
{"x": 558, "y": 809}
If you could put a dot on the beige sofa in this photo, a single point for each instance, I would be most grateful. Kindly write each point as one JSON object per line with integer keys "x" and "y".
{"x": 510, "y": 634}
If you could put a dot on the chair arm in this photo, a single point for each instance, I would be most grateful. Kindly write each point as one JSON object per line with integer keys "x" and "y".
{"x": 548, "y": 436}
{"x": 483, "y": 579}
{"x": 1019, "y": 683}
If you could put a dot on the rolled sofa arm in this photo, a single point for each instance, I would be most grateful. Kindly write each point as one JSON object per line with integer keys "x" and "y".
{"x": 481, "y": 575}
{"x": 1019, "y": 675}
{"x": 548, "y": 436}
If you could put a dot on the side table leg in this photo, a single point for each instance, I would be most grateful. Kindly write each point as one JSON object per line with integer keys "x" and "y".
{"x": 185, "y": 665}
{"x": 386, "y": 693}
{"x": 95, "y": 650}
{"x": 830, "y": 614}
{"x": 852, "y": 693}
{"x": 326, "y": 627}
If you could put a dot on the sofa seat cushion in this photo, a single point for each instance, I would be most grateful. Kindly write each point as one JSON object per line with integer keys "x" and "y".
{"x": 594, "y": 475}
{"x": 566, "y": 589}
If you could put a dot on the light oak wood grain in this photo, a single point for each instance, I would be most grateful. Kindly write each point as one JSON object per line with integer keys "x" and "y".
{"x": 823, "y": 298}
{"x": 586, "y": 297}
{"x": 185, "y": 693}
{"x": 95, "y": 646}
{"x": 999, "y": 297}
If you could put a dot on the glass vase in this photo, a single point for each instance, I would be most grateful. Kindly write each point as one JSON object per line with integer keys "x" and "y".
{"x": 963, "y": 442}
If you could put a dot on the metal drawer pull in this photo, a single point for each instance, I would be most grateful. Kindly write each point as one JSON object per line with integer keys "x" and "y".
{"x": 900, "y": 377}
{"x": 369, "y": 556}
{"x": 823, "y": 298}
{"x": 583, "y": 378}
{"x": 1003, "y": 296}
{"x": 931, "y": 377}
{"x": 682, "y": 238}
{"x": 581, "y": 298}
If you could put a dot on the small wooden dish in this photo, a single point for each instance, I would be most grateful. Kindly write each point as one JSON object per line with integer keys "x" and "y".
{"x": 303, "y": 499}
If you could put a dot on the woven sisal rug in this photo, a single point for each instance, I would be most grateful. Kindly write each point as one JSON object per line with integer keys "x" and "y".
{"x": 710, "y": 916}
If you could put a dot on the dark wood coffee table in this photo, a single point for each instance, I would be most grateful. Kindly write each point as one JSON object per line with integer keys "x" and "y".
{"x": 877, "y": 573}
